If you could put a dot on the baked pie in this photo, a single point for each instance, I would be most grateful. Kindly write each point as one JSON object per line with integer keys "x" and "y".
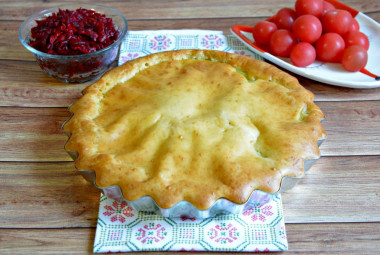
{"x": 196, "y": 126}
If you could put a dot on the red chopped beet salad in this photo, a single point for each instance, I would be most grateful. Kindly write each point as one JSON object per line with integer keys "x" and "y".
{"x": 75, "y": 32}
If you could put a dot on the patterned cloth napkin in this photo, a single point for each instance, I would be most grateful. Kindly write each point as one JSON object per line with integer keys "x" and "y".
{"x": 122, "y": 229}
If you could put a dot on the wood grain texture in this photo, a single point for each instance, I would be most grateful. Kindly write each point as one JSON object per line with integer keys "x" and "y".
{"x": 46, "y": 195}
{"x": 47, "y": 241}
{"x": 336, "y": 189}
{"x": 49, "y": 194}
{"x": 31, "y": 87}
{"x": 333, "y": 238}
{"x": 33, "y": 134}
{"x": 352, "y": 128}
{"x": 161, "y": 9}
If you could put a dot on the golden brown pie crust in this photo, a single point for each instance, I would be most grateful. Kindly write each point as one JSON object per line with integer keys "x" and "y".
{"x": 194, "y": 125}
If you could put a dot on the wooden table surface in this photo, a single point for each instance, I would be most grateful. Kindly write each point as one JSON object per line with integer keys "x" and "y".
{"x": 46, "y": 207}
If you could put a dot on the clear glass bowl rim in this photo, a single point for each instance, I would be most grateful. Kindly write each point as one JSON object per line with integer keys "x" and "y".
{"x": 69, "y": 6}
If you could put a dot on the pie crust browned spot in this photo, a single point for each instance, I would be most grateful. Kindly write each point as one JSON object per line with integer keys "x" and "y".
{"x": 196, "y": 126}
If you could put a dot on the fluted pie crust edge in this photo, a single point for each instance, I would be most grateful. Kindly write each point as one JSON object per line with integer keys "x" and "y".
{"x": 196, "y": 126}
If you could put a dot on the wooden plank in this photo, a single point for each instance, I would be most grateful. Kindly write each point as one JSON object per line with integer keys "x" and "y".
{"x": 303, "y": 239}
{"x": 352, "y": 128}
{"x": 336, "y": 189}
{"x": 46, "y": 195}
{"x": 159, "y": 9}
{"x": 30, "y": 87}
{"x": 37, "y": 195}
{"x": 34, "y": 134}
{"x": 335, "y": 238}
{"x": 10, "y": 45}
{"x": 47, "y": 241}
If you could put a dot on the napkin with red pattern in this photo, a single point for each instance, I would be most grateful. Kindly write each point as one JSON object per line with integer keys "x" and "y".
{"x": 122, "y": 229}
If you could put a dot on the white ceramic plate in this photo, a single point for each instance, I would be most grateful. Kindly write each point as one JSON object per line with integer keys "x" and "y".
{"x": 330, "y": 73}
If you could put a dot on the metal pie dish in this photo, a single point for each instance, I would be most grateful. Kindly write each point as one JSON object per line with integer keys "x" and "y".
{"x": 185, "y": 208}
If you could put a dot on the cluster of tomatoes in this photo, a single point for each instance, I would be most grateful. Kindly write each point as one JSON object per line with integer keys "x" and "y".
{"x": 314, "y": 29}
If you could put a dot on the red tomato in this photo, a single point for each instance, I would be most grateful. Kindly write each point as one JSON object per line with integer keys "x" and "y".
{"x": 356, "y": 38}
{"x": 303, "y": 54}
{"x": 354, "y": 58}
{"x": 263, "y": 31}
{"x": 284, "y": 18}
{"x": 327, "y": 6}
{"x": 282, "y": 42}
{"x": 355, "y": 25}
{"x": 336, "y": 21}
{"x": 307, "y": 28}
{"x": 313, "y": 7}
{"x": 330, "y": 47}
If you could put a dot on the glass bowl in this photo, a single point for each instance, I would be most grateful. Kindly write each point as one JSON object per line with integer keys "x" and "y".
{"x": 76, "y": 68}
